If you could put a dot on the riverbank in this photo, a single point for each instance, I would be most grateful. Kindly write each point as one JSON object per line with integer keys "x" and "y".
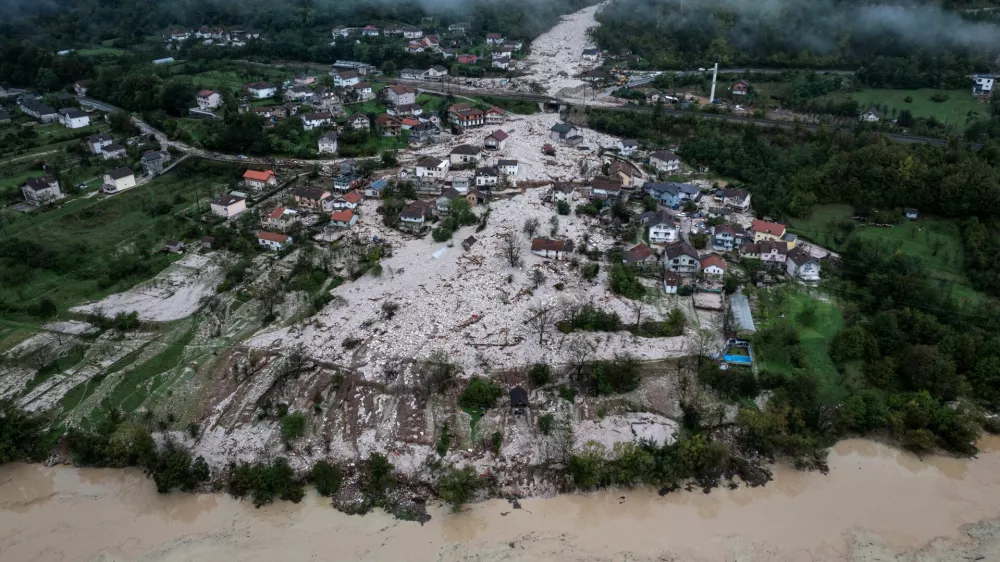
{"x": 877, "y": 503}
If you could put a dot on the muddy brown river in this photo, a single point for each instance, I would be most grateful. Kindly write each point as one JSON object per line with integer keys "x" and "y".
{"x": 877, "y": 503}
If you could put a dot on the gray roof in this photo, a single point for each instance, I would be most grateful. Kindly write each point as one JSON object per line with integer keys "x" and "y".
{"x": 227, "y": 200}
{"x": 590, "y": 51}
{"x": 152, "y": 156}
{"x": 487, "y": 171}
{"x": 72, "y": 112}
{"x": 665, "y": 156}
{"x": 742, "y": 317}
{"x": 39, "y": 182}
{"x": 100, "y": 138}
{"x": 466, "y": 149}
{"x": 113, "y": 148}
{"x": 561, "y": 128}
{"x": 678, "y": 249}
{"x": 120, "y": 173}
{"x": 38, "y": 107}
{"x": 629, "y": 142}
{"x": 329, "y": 137}
{"x": 507, "y": 163}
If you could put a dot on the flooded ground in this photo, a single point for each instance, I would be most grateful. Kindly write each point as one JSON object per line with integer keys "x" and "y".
{"x": 876, "y": 504}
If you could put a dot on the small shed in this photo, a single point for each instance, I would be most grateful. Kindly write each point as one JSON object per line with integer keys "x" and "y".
{"x": 518, "y": 399}
{"x": 910, "y": 213}
{"x": 173, "y": 247}
{"x": 468, "y": 243}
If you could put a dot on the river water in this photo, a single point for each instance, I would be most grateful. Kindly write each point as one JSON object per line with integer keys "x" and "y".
{"x": 875, "y": 502}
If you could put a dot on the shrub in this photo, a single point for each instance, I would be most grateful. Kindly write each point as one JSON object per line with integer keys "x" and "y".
{"x": 379, "y": 475}
{"x": 567, "y": 393}
{"x": 326, "y": 478}
{"x": 908, "y": 99}
{"x": 590, "y": 270}
{"x": 444, "y": 441}
{"x": 496, "y": 441}
{"x": 265, "y": 481}
{"x": 458, "y": 486}
{"x": 545, "y": 423}
{"x": 441, "y": 234}
{"x": 540, "y": 374}
{"x": 939, "y": 97}
{"x": 293, "y": 426}
{"x": 562, "y": 208}
{"x": 481, "y": 394}
{"x": 624, "y": 282}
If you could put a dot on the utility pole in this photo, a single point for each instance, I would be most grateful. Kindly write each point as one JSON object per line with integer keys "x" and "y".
{"x": 715, "y": 75}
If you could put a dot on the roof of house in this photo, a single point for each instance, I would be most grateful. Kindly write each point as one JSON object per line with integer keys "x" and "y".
{"x": 873, "y": 111}
{"x": 352, "y": 197}
{"x": 205, "y": 93}
{"x": 498, "y": 135}
{"x": 801, "y": 257}
{"x": 451, "y": 193}
{"x": 564, "y": 188}
{"x": 410, "y": 121}
{"x": 665, "y": 156}
{"x": 258, "y": 175}
{"x": 272, "y": 237}
{"x": 379, "y": 184}
{"x": 429, "y": 162}
{"x": 711, "y": 260}
{"x": 548, "y": 244}
{"x": 386, "y": 119}
{"x": 311, "y": 193}
{"x": 765, "y": 227}
{"x": 742, "y": 83}
{"x": 41, "y": 182}
{"x": 120, "y": 173}
{"x": 494, "y": 35}
{"x": 629, "y": 142}
{"x": 402, "y": 89}
{"x": 487, "y": 171}
{"x": 318, "y": 116}
{"x": 561, "y": 128}
{"x": 909, "y": 210}
{"x": 329, "y": 137}
{"x": 228, "y": 199}
{"x": 466, "y": 149}
{"x": 276, "y": 214}
{"x": 639, "y": 253}
{"x": 152, "y": 156}
{"x": 727, "y": 228}
{"x": 503, "y": 163}
{"x": 733, "y": 192}
{"x": 346, "y": 74}
{"x": 496, "y": 110}
{"x": 38, "y": 107}
{"x": 342, "y": 216}
{"x": 259, "y": 86}
{"x": 518, "y": 397}
{"x": 607, "y": 184}
{"x": 678, "y": 249}
{"x": 414, "y": 210}
{"x": 362, "y": 86}
{"x": 72, "y": 112}
{"x": 100, "y": 138}
{"x": 766, "y": 247}
{"x": 595, "y": 74}
{"x": 672, "y": 279}
{"x": 112, "y": 148}
{"x": 590, "y": 51}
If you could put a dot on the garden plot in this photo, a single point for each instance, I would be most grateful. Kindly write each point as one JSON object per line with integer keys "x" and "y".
{"x": 473, "y": 306}
{"x": 175, "y": 293}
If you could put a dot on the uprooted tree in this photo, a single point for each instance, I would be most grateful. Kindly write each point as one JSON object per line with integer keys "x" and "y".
{"x": 510, "y": 249}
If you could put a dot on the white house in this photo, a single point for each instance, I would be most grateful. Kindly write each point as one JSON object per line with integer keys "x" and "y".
{"x": 412, "y": 33}
{"x": 495, "y": 116}
{"x": 487, "y": 177}
{"x": 207, "y": 99}
{"x": 982, "y": 84}
{"x": 343, "y": 219}
{"x": 494, "y": 39}
{"x": 370, "y": 31}
{"x": 502, "y": 63}
{"x": 871, "y": 116}
{"x": 312, "y": 121}
{"x": 273, "y": 240}
{"x": 562, "y": 131}
{"x": 412, "y": 74}
{"x": 681, "y": 257}
{"x": 508, "y": 167}
{"x": 801, "y": 265}
{"x": 665, "y": 161}
{"x": 671, "y": 282}
{"x": 465, "y": 154}
{"x": 364, "y": 91}
{"x": 415, "y": 213}
{"x": 564, "y": 192}
{"x": 551, "y": 249}
{"x": 400, "y": 94}
{"x": 41, "y": 190}
{"x": 328, "y": 144}
{"x": 229, "y": 206}
{"x": 261, "y": 90}
{"x": 358, "y": 121}
{"x": 345, "y": 78}
{"x": 663, "y": 229}
{"x": 433, "y": 168}
{"x": 590, "y": 55}
{"x": 73, "y": 118}
{"x": 735, "y": 198}
{"x": 40, "y": 111}
{"x": 118, "y": 180}
{"x": 96, "y": 143}
{"x": 113, "y": 152}
{"x": 436, "y": 72}
{"x": 627, "y": 146}
{"x": 713, "y": 266}
{"x": 349, "y": 201}
{"x": 497, "y": 140}
{"x": 259, "y": 179}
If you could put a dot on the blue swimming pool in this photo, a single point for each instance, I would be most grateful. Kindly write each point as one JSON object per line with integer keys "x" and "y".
{"x": 737, "y": 359}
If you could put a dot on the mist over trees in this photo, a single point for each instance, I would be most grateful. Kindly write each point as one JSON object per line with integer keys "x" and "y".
{"x": 913, "y": 46}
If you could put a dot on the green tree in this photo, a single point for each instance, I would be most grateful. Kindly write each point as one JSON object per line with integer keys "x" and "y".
{"x": 326, "y": 478}
{"x": 458, "y": 486}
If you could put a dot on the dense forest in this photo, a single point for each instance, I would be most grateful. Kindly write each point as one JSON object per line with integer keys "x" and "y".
{"x": 295, "y": 31}
{"x": 921, "y": 46}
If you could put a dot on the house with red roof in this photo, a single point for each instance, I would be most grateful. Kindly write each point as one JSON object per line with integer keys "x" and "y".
{"x": 713, "y": 266}
{"x": 764, "y": 230}
{"x": 343, "y": 219}
{"x": 258, "y": 179}
{"x": 348, "y": 201}
{"x": 281, "y": 219}
{"x": 495, "y": 116}
{"x": 273, "y": 240}
{"x": 207, "y": 99}
{"x": 496, "y": 141}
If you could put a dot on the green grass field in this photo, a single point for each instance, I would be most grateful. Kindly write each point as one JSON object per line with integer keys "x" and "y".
{"x": 817, "y": 320}
{"x": 954, "y": 111}
{"x": 937, "y": 242}
{"x": 101, "y": 51}
{"x": 92, "y": 229}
